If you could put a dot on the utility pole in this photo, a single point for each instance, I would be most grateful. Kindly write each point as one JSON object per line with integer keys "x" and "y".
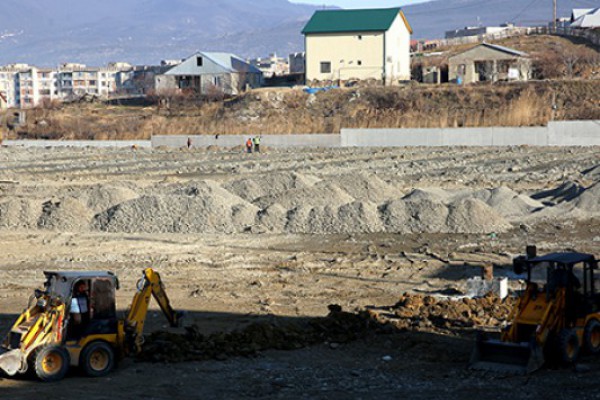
{"x": 554, "y": 23}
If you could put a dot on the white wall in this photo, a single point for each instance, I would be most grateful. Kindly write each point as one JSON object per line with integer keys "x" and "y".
{"x": 397, "y": 47}
{"x": 344, "y": 51}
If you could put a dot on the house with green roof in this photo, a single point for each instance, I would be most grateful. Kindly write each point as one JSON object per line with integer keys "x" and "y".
{"x": 358, "y": 44}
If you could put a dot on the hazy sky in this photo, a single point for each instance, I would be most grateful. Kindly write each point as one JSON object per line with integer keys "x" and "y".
{"x": 360, "y": 3}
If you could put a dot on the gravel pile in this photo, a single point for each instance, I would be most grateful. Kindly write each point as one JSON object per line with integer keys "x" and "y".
{"x": 201, "y": 207}
{"x": 286, "y": 203}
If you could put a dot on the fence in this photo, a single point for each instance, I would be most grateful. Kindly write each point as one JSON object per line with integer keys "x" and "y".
{"x": 560, "y": 133}
{"x": 563, "y": 133}
{"x": 591, "y": 35}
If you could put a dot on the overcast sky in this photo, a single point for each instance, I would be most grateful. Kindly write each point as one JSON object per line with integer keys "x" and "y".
{"x": 360, "y": 3}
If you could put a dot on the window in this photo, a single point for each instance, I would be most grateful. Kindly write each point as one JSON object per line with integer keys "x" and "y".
{"x": 326, "y": 67}
{"x": 199, "y": 61}
{"x": 359, "y": 62}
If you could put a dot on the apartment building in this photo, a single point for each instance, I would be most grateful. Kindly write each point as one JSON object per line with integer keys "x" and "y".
{"x": 9, "y": 77}
{"x": 25, "y": 86}
{"x": 271, "y": 66}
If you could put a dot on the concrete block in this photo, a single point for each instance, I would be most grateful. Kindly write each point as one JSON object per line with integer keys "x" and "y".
{"x": 467, "y": 137}
{"x": 574, "y": 133}
{"x": 531, "y": 136}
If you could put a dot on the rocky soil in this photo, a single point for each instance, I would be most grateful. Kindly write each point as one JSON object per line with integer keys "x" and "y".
{"x": 255, "y": 247}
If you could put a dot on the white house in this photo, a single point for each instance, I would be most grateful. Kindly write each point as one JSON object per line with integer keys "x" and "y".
{"x": 586, "y": 19}
{"x": 204, "y": 72}
{"x": 358, "y": 44}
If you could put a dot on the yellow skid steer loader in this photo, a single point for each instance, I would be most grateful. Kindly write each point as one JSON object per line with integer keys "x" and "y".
{"x": 553, "y": 320}
{"x": 73, "y": 322}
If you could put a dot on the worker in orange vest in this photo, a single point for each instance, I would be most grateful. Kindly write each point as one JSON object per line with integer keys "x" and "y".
{"x": 249, "y": 145}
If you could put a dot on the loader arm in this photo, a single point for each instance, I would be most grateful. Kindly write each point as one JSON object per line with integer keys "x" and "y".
{"x": 149, "y": 286}
{"x": 36, "y": 327}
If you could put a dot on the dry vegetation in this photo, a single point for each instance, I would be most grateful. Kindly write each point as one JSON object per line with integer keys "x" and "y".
{"x": 569, "y": 90}
{"x": 286, "y": 111}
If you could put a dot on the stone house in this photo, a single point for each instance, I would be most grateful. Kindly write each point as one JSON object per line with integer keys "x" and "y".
{"x": 489, "y": 63}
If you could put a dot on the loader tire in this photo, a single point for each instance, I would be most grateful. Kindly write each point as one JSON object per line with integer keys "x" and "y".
{"x": 97, "y": 359}
{"x": 568, "y": 346}
{"x": 591, "y": 336}
{"x": 51, "y": 363}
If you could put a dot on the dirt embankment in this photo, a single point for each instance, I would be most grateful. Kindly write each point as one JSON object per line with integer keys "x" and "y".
{"x": 412, "y": 313}
{"x": 287, "y": 111}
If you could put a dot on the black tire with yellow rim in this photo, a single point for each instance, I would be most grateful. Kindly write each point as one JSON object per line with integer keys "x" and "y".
{"x": 97, "y": 359}
{"x": 591, "y": 336}
{"x": 568, "y": 346}
{"x": 51, "y": 363}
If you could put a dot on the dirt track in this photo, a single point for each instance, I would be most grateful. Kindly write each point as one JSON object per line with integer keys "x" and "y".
{"x": 253, "y": 270}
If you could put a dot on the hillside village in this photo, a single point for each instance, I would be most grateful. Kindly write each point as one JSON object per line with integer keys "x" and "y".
{"x": 342, "y": 47}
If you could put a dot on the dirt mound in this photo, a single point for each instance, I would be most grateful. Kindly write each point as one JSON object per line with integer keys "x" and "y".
{"x": 428, "y": 313}
{"x": 269, "y": 184}
{"x": 589, "y": 200}
{"x": 507, "y": 202}
{"x": 67, "y": 214}
{"x": 101, "y": 197}
{"x": 201, "y": 207}
{"x": 461, "y": 216}
{"x": 19, "y": 213}
{"x": 412, "y": 312}
{"x": 355, "y": 217}
{"x": 322, "y": 194}
{"x": 337, "y": 327}
{"x": 593, "y": 173}
{"x": 367, "y": 187}
{"x": 474, "y": 216}
{"x": 567, "y": 191}
{"x": 432, "y": 194}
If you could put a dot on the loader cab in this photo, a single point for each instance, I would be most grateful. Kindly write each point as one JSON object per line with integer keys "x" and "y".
{"x": 573, "y": 272}
{"x": 89, "y": 298}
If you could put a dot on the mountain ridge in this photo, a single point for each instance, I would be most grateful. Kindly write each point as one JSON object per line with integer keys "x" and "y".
{"x": 147, "y": 31}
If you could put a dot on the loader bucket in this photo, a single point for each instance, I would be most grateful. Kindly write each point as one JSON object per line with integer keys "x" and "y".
{"x": 11, "y": 361}
{"x": 504, "y": 357}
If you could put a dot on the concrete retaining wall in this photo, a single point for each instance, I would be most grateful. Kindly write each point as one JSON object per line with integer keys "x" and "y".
{"x": 281, "y": 141}
{"x": 574, "y": 133}
{"x": 564, "y": 133}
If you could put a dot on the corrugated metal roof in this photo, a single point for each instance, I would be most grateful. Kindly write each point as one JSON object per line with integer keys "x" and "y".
{"x": 212, "y": 63}
{"x": 506, "y": 50}
{"x": 589, "y": 20}
{"x": 368, "y": 20}
{"x": 578, "y": 12}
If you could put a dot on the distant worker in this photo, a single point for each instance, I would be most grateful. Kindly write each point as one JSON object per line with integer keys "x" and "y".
{"x": 256, "y": 141}
{"x": 249, "y": 145}
{"x": 189, "y": 143}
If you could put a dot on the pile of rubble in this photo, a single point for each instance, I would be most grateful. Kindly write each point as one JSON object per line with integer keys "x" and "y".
{"x": 337, "y": 327}
{"x": 412, "y": 312}
{"x": 445, "y": 315}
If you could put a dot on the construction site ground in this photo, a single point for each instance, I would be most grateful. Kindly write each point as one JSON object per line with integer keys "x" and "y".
{"x": 264, "y": 258}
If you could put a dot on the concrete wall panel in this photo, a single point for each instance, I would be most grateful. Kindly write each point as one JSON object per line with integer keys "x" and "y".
{"x": 574, "y": 133}
{"x": 281, "y": 141}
